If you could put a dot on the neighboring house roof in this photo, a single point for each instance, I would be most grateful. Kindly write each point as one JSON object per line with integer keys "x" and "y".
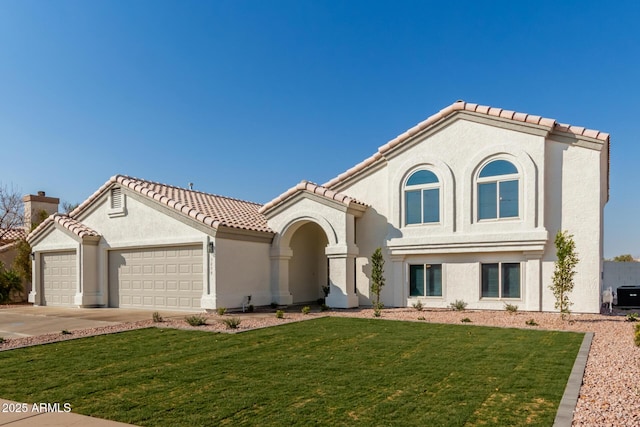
{"x": 311, "y": 188}
{"x": 552, "y": 124}
{"x": 209, "y": 209}
{"x": 12, "y": 234}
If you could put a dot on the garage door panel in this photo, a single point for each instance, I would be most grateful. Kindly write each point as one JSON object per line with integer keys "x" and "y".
{"x": 162, "y": 277}
{"x": 59, "y": 278}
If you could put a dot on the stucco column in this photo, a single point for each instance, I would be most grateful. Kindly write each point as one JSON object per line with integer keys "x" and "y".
{"x": 280, "y": 276}
{"x": 398, "y": 282}
{"x": 36, "y": 281}
{"x": 208, "y": 300}
{"x": 342, "y": 268}
{"x": 533, "y": 281}
{"x": 91, "y": 295}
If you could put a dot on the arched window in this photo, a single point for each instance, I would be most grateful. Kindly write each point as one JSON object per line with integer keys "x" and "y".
{"x": 422, "y": 198}
{"x": 498, "y": 187}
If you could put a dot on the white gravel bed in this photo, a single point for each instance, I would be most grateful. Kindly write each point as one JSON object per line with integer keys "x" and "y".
{"x": 610, "y": 394}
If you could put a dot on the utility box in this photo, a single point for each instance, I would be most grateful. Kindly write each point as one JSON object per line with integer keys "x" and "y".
{"x": 629, "y": 296}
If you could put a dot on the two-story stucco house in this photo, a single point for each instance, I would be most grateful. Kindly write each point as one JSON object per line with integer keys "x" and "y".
{"x": 465, "y": 206}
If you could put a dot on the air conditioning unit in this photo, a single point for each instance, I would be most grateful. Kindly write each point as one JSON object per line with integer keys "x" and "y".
{"x": 629, "y": 296}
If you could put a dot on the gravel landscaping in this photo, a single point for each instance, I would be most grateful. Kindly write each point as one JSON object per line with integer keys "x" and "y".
{"x": 610, "y": 394}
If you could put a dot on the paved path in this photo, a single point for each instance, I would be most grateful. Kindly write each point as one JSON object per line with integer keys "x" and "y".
{"x": 12, "y": 414}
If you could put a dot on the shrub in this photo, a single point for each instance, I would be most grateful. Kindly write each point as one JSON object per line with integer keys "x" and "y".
{"x": 65, "y": 332}
{"x": 511, "y": 308}
{"x": 418, "y": 306}
{"x": 274, "y": 305}
{"x": 458, "y": 305}
{"x": 156, "y": 317}
{"x": 221, "y": 310}
{"x": 2, "y": 340}
{"x": 637, "y": 335}
{"x": 421, "y": 318}
{"x": 10, "y": 284}
{"x": 531, "y": 322}
{"x": 250, "y": 308}
{"x": 196, "y": 320}
{"x": 466, "y": 320}
{"x": 632, "y": 317}
{"x": 279, "y": 314}
{"x": 324, "y": 307}
{"x": 377, "y": 312}
{"x": 306, "y": 309}
{"x": 232, "y": 322}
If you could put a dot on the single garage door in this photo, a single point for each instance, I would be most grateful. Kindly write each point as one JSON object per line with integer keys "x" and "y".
{"x": 59, "y": 278}
{"x": 161, "y": 277}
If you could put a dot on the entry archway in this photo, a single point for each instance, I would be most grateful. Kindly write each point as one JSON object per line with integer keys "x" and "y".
{"x": 308, "y": 266}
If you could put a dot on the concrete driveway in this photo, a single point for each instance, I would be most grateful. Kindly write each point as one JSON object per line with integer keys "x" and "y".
{"x": 25, "y": 321}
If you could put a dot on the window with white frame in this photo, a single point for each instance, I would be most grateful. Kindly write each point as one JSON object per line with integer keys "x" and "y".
{"x": 498, "y": 190}
{"x": 501, "y": 280}
{"x": 425, "y": 280}
{"x": 422, "y": 198}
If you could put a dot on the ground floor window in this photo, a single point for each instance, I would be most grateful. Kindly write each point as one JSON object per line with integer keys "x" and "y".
{"x": 501, "y": 280}
{"x": 425, "y": 280}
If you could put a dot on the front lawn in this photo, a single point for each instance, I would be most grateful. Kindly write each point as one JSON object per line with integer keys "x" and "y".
{"x": 328, "y": 371}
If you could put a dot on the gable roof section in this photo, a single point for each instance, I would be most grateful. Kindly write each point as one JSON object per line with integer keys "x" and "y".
{"x": 65, "y": 221}
{"x": 310, "y": 187}
{"x": 551, "y": 124}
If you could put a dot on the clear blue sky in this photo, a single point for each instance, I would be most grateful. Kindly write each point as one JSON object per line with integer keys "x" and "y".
{"x": 247, "y": 98}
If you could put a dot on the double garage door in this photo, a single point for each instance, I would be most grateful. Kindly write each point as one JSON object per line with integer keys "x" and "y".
{"x": 163, "y": 277}
{"x": 59, "y": 278}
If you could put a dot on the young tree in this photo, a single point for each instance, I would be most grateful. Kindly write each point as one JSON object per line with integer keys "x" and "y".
{"x": 10, "y": 284}
{"x": 22, "y": 261}
{"x": 564, "y": 272}
{"x": 624, "y": 258}
{"x": 377, "y": 280}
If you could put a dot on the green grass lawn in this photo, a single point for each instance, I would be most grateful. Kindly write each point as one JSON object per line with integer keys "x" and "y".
{"x": 328, "y": 371}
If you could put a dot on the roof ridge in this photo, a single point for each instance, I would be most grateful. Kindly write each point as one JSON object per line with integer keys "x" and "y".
{"x": 133, "y": 178}
{"x": 460, "y": 105}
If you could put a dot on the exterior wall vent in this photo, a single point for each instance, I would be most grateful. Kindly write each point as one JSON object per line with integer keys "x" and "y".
{"x": 117, "y": 203}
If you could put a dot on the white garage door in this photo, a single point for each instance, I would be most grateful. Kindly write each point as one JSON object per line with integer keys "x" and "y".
{"x": 162, "y": 277}
{"x": 59, "y": 278}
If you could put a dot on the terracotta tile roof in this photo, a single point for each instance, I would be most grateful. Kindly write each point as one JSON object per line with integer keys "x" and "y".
{"x": 11, "y": 235}
{"x": 74, "y": 226}
{"x": 209, "y": 209}
{"x": 311, "y": 188}
{"x": 552, "y": 124}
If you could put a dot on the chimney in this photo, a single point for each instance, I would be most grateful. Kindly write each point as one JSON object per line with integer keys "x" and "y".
{"x": 34, "y": 204}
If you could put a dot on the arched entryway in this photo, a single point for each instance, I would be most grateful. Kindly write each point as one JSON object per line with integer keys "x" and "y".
{"x": 308, "y": 266}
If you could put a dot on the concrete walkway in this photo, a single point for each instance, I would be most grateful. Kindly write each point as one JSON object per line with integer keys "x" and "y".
{"x": 12, "y": 414}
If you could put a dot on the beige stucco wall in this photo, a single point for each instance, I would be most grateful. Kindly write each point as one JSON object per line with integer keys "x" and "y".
{"x": 241, "y": 269}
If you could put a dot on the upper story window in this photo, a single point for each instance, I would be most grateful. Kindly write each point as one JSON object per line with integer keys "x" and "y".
{"x": 498, "y": 184}
{"x": 422, "y": 198}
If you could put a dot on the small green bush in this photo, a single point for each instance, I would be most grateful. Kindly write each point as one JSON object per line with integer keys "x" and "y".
{"x": 511, "y": 308}
{"x": 221, "y": 310}
{"x": 324, "y": 307}
{"x": 279, "y": 314}
{"x": 466, "y": 320}
{"x": 632, "y": 317}
{"x": 531, "y": 322}
{"x": 232, "y": 322}
{"x": 156, "y": 317}
{"x": 458, "y": 305}
{"x": 196, "y": 320}
{"x": 2, "y": 340}
{"x": 421, "y": 318}
{"x": 250, "y": 308}
{"x": 306, "y": 309}
{"x": 65, "y": 332}
{"x": 418, "y": 305}
{"x": 637, "y": 335}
